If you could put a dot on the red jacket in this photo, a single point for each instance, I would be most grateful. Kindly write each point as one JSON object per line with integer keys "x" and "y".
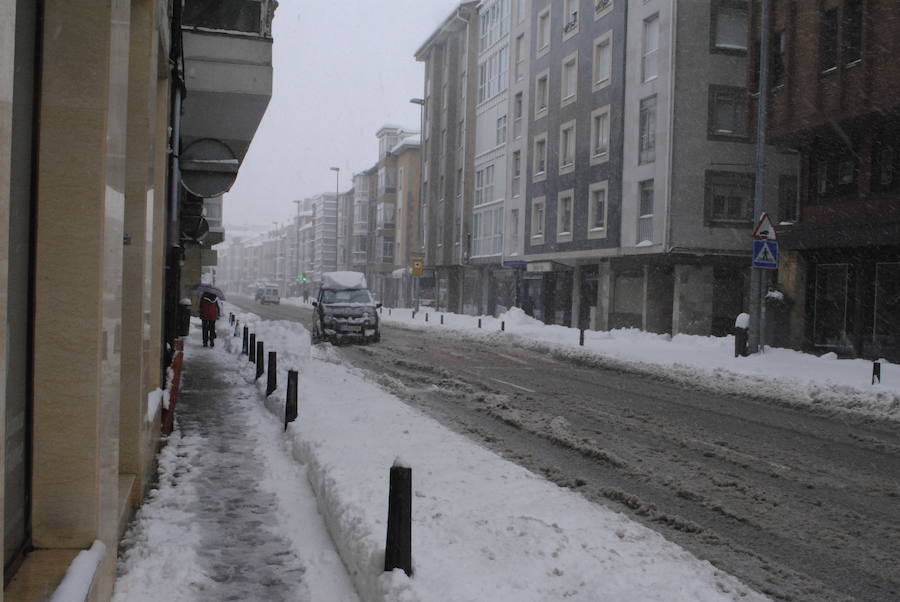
{"x": 209, "y": 308}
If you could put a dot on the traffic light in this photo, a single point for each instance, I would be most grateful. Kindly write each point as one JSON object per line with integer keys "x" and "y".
{"x": 302, "y": 278}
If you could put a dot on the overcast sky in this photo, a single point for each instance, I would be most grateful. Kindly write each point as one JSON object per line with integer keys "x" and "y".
{"x": 343, "y": 68}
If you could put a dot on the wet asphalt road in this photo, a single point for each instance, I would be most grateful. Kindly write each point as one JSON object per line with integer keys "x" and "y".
{"x": 800, "y": 505}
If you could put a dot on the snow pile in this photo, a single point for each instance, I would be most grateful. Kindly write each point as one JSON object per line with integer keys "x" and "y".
{"x": 156, "y": 398}
{"x": 343, "y": 280}
{"x": 782, "y": 375}
{"x": 77, "y": 582}
{"x": 483, "y": 528}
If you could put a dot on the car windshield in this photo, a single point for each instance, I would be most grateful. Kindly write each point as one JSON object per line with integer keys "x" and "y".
{"x": 347, "y": 296}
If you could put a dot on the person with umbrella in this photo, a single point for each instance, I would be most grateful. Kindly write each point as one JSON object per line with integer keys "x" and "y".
{"x": 209, "y": 311}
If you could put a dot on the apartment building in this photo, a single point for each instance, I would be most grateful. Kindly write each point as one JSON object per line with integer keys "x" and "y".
{"x": 362, "y": 242}
{"x": 834, "y": 99}
{"x": 408, "y": 241}
{"x": 575, "y": 161}
{"x": 450, "y": 55}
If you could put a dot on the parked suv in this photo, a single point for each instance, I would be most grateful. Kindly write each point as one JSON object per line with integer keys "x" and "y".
{"x": 345, "y": 310}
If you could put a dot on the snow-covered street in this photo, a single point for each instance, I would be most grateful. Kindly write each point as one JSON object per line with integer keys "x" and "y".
{"x": 483, "y": 528}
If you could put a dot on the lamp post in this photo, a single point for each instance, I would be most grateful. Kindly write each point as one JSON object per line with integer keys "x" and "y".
{"x": 297, "y": 246}
{"x": 422, "y": 227}
{"x": 337, "y": 211}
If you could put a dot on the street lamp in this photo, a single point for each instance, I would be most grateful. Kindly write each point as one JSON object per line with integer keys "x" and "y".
{"x": 297, "y": 247}
{"x": 423, "y": 229}
{"x": 337, "y": 211}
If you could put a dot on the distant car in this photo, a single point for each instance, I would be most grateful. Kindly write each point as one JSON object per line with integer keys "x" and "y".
{"x": 345, "y": 310}
{"x": 270, "y": 294}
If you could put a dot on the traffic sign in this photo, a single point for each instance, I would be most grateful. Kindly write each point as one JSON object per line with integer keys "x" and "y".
{"x": 765, "y": 254}
{"x": 764, "y": 228}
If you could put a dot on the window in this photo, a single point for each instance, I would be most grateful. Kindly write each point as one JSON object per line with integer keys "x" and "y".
{"x": 494, "y": 22}
{"x": 600, "y": 135}
{"x": 540, "y": 156}
{"x": 513, "y": 229}
{"x": 443, "y": 141}
{"x": 885, "y": 168}
{"x": 822, "y": 184}
{"x": 828, "y": 41}
{"x": 521, "y": 8}
{"x": 601, "y": 7}
{"x": 787, "y": 199}
{"x": 569, "y": 86}
{"x": 564, "y": 213}
{"x": 570, "y": 15}
{"x": 460, "y": 133}
{"x": 542, "y": 93}
{"x": 650, "y": 48}
{"x": 387, "y": 250}
{"x": 645, "y": 215}
{"x": 520, "y": 57}
{"x": 516, "y": 172}
{"x": 543, "y": 32}
{"x": 567, "y": 147}
{"x": 729, "y": 25}
{"x": 833, "y": 175}
{"x": 729, "y": 198}
{"x": 602, "y": 67}
{"x": 517, "y": 115}
{"x": 484, "y": 185}
{"x": 597, "y": 210}
{"x": 727, "y": 112}
{"x": 488, "y": 232}
{"x": 647, "y": 127}
{"x": 852, "y": 31}
{"x": 493, "y": 74}
{"x": 384, "y": 215}
{"x": 537, "y": 218}
{"x": 501, "y": 130}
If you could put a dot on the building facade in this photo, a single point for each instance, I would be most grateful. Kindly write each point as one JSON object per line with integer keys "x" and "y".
{"x": 833, "y": 100}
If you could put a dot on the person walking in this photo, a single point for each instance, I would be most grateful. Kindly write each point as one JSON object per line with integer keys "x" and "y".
{"x": 209, "y": 313}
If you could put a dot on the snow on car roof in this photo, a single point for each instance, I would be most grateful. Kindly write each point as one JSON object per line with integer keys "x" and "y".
{"x": 343, "y": 280}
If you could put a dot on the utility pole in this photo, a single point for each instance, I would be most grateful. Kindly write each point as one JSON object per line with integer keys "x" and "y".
{"x": 297, "y": 247}
{"x": 422, "y": 228}
{"x": 758, "y": 277}
{"x": 337, "y": 214}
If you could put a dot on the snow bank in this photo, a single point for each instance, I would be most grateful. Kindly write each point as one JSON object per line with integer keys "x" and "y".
{"x": 76, "y": 584}
{"x": 483, "y": 528}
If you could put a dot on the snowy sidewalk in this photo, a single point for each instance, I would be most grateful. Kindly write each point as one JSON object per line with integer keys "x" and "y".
{"x": 233, "y": 517}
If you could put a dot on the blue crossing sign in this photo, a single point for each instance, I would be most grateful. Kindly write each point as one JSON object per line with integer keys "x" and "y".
{"x": 765, "y": 254}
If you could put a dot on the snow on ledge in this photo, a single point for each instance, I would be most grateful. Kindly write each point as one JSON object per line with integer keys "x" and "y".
{"x": 76, "y": 584}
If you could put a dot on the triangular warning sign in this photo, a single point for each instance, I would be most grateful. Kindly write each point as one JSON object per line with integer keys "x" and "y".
{"x": 764, "y": 255}
{"x": 764, "y": 228}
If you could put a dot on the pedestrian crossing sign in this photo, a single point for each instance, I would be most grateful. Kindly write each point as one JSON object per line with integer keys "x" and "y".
{"x": 765, "y": 254}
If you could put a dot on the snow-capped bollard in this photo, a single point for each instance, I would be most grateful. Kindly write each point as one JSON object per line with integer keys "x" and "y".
{"x": 741, "y": 335}
{"x": 581, "y": 336}
{"x": 398, "y": 550}
{"x": 290, "y": 402}
{"x": 272, "y": 380}
{"x": 413, "y": 314}
{"x": 246, "y": 340}
{"x": 876, "y": 372}
{"x": 260, "y": 359}
{"x": 251, "y": 355}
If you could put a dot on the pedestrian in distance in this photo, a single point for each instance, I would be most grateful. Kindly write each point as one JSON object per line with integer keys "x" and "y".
{"x": 209, "y": 313}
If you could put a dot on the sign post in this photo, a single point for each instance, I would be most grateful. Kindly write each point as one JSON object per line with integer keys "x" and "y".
{"x": 765, "y": 257}
{"x": 417, "y": 270}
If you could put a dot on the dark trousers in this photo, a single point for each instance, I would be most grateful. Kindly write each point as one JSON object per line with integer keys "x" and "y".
{"x": 209, "y": 332}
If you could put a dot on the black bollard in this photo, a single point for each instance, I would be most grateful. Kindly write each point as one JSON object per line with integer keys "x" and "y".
{"x": 502, "y": 326}
{"x": 250, "y": 353}
{"x": 581, "y": 336}
{"x": 245, "y": 343}
{"x": 479, "y": 322}
{"x": 260, "y": 359}
{"x": 740, "y": 342}
{"x": 237, "y": 328}
{"x": 272, "y": 382}
{"x": 398, "y": 551}
{"x": 414, "y": 314}
{"x": 426, "y": 317}
{"x": 442, "y": 319}
{"x": 290, "y": 405}
{"x": 876, "y": 372}
{"x": 389, "y": 311}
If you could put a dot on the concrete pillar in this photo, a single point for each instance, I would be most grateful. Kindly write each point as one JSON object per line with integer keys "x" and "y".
{"x": 604, "y": 296}
{"x": 658, "y": 291}
{"x": 792, "y": 280}
{"x": 78, "y": 277}
{"x": 576, "y": 297}
{"x": 137, "y": 277}
{"x": 692, "y": 304}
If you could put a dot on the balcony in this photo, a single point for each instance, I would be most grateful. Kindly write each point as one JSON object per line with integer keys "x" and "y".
{"x": 227, "y": 70}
